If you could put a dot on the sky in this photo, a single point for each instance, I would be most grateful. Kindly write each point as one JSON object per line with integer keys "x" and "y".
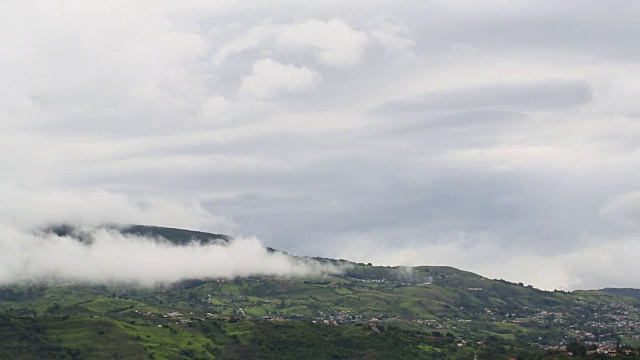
{"x": 498, "y": 137}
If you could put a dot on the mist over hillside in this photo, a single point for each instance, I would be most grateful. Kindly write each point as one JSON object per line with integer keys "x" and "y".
{"x": 133, "y": 291}
{"x": 159, "y": 233}
{"x": 125, "y": 281}
{"x": 142, "y": 255}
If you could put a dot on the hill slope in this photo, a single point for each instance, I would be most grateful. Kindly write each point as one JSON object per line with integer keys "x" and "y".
{"x": 175, "y": 236}
{"x": 633, "y": 293}
{"x": 363, "y": 312}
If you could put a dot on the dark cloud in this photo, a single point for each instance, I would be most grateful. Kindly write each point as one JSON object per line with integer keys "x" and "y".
{"x": 589, "y": 30}
{"x": 462, "y": 120}
{"x": 541, "y": 96}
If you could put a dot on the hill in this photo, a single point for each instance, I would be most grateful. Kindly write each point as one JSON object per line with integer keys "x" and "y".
{"x": 173, "y": 235}
{"x": 364, "y": 312}
{"x": 633, "y": 293}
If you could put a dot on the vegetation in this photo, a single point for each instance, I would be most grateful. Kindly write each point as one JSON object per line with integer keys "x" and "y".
{"x": 367, "y": 312}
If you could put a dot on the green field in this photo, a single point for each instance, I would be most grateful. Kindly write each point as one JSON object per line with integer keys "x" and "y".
{"x": 366, "y": 313}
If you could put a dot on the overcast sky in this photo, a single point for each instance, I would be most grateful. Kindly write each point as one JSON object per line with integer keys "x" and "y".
{"x": 500, "y": 137}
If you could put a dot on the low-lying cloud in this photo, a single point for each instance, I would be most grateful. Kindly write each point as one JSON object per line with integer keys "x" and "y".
{"x": 29, "y": 253}
{"x": 114, "y": 257}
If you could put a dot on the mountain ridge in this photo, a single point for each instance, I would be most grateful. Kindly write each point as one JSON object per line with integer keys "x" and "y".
{"x": 183, "y": 237}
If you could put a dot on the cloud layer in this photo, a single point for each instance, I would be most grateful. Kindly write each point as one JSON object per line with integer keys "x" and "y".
{"x": 114, "y": 258}
{"x": 500, "y": 138}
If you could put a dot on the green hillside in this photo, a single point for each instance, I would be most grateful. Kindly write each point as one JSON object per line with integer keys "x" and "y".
{"x": 365, "y": 312}
{"x": 176, "y": 236}
{"x": 634, "y": 293}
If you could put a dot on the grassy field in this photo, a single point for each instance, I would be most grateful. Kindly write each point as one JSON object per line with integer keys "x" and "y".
{"x": 426, "y": 312}
{"x": 94, "y": 338}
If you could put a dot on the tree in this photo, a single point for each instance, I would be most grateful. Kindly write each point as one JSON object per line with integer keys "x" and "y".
{"x": 577, "y": 349}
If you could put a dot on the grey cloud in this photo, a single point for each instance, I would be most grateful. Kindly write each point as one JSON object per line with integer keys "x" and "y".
{"x": 597, "y": 29}
{"x": 542, "y": 96}
{"x": 580, "y": 29}
{"x": 623, "y": 209}
{"x": 519, "y": 140}
{"x": 468, "y": 120}
{"x": 472, "y": 202}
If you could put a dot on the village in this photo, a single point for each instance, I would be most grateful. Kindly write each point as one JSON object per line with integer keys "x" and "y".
{"x": 602, "y": 328}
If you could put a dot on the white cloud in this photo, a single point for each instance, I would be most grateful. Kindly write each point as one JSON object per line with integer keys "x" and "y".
{"x": 27, "y": 209}
{"x": 472, "y": 252}
{"x": 29, "y": 254}
{"x": 251, "y": 39}
{"x": 269, "y": 78}
{"x": 393, "y": 36}
{"x": 113, "y": 257}
{"x": 333, "y": 42}
{"x": 596, "y": 264}
{"x": 605, "y": 263}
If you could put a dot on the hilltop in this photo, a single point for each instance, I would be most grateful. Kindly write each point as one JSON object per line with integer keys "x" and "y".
{"x": 633, "y": 293}
{"x": 173, "y": 235}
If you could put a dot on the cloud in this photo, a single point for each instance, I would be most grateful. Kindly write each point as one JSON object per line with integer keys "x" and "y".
{"x": 602, "y": 264}
{"x": 28, "y": 209}
{"x": 269, "y": 77}
{"x": 624, "y": 209}
{"x": 466, "y": 250}
{"x": 597, "y": 263}
{"x": 539, "y": 96}
{"x": 333, "y": 42}
{"x": 393, "y": 35}
{"x": 330, "y": 130}
{"x": 29, "y": 254}
{"x": 113, "y": 257}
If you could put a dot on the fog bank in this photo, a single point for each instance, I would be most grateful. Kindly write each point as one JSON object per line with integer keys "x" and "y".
{"x": 114, "y": 257}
